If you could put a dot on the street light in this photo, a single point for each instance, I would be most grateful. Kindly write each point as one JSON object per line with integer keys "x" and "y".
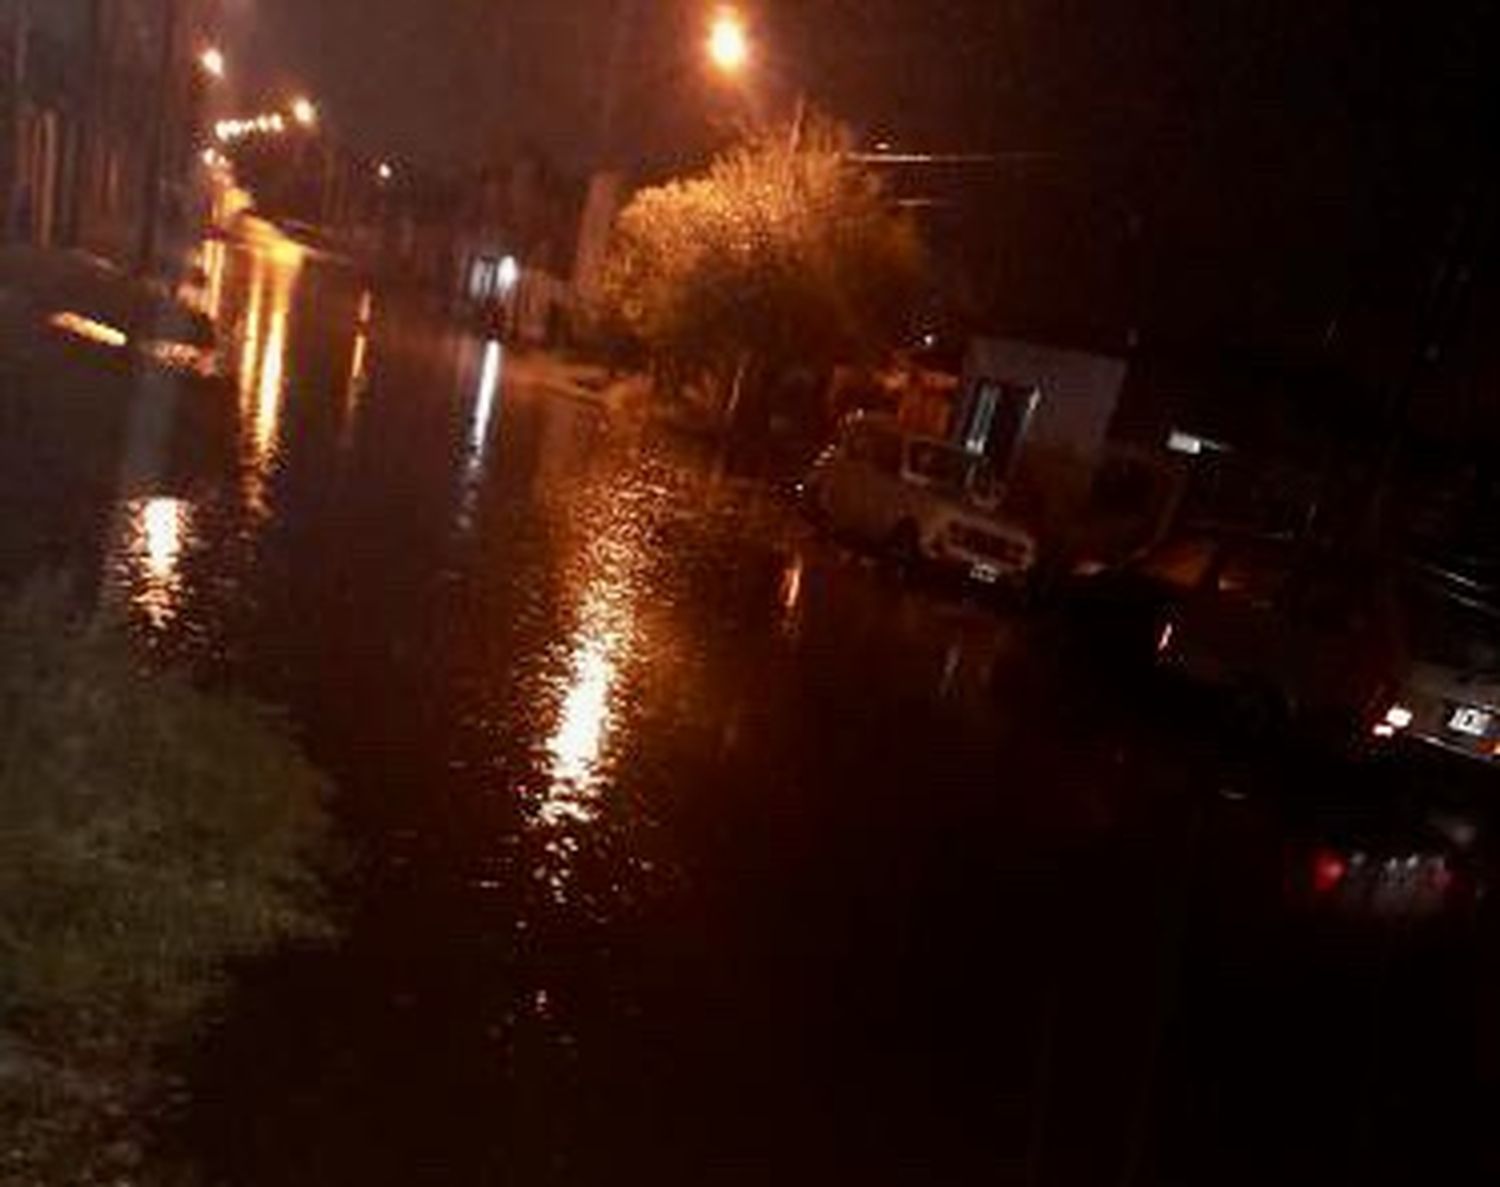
{"x": 305, "y": 112}
{"x": 212, "y": 61}
{"x": 384, "y": 171}
{"x": 729, "y": 42}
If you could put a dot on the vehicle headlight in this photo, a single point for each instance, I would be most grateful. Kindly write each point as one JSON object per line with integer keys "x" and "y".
{"x": 1396, "y": 719}
{"x": 1399, "y": 717}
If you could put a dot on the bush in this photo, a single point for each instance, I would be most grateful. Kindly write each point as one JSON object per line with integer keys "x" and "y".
{"x": 150, "y": 834}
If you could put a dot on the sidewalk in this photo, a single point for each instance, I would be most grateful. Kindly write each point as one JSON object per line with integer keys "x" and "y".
{"x": 37, "y": 284}
{"x": 587, "y": 382}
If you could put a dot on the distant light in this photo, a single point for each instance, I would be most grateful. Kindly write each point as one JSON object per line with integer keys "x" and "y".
{"x": 1399, "y": 717}
{"x": 384, "y": 171}
{"x": 1382, "y": 730}
{"x": 305, "y": 112}
{"x": 212, "y": 61}
{"x": 729, "y": 42}
{"x": 1329, "y": 870}
{"x": 277, "y": 123}
{"x": 89, "y": 329}
{"x": 929, "y": 340}
{"x": 1164, "y": 639}
{"x": 510, "y": 273}
{"x": 1193, "y": 445}
{"x": 1185, "y": 443}
{"x": 882, "y": 146}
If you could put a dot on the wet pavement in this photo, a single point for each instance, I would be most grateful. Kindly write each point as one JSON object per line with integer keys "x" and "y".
{"x": 688, "y": 847}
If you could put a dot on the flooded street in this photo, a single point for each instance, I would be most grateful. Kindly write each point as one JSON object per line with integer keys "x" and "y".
{"x": 686, "y": 847}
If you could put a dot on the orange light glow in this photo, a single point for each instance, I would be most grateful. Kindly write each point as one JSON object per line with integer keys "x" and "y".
{"x": 358, "y": 363}
{"x": 729, "y": 42}
{"x": 272, "y": 375}
{"x": 275, "y": 265}
{"x": 159, "y": 529}
{"x": 601, "y": 645}
{"x": 215, "y": 259}
{"x": 89, "y": 330}
{"x": 577, "y": 744}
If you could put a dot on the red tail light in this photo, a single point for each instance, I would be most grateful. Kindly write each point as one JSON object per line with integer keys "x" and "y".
{"x": 1328, "y": 870}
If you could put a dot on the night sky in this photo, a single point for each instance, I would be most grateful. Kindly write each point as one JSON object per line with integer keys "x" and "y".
{"x": 440, "y": 78}
{"x": 1283, "y": 158}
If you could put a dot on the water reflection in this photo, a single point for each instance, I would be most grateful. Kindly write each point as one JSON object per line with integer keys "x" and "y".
{"x": 487, "y": 391}
{"x": 158, "y": 533}
{"x": 275, "y": 265}
{"x": 792, "y": 578}
{"x": 596, "y": 655}
{"x": 206, "y": 292}
{"x": 577, "y": 743}
{"x": 359, "y": 365}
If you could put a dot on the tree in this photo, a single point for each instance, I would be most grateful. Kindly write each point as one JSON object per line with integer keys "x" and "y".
{"x": 777, "y": 255}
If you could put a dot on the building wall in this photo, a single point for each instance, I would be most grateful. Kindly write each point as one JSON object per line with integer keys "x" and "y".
{"x": 1061, "y": 442}
{"x": 80, "y": 119}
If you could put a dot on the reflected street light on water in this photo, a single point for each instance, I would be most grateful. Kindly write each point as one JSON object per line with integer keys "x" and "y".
{"x": 158, "y": 531}
{"x": 275, "y": 267}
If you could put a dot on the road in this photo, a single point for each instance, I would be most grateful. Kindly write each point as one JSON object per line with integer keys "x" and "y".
{"x": 686, "y": 847}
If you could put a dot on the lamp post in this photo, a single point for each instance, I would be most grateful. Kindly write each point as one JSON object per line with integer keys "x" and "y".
{"x": 15, "y": 201}
{"x": 731, "y": 52}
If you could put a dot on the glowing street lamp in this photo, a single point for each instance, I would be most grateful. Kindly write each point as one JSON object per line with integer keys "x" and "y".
{"x": 384, "y": 171}
{"x": 212, "y": 62}
{"x": 305, "y": 112}
{"x": 729, "y": 42}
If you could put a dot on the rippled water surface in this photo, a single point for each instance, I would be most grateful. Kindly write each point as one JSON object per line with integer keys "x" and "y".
{"x": 686, "y": 847}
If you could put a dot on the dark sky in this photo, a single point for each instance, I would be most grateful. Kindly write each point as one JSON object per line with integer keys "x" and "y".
{"x": 1282, "y": 152}
{"x": 442, "y": 78}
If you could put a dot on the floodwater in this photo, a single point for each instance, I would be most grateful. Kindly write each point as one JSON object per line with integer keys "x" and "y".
{"x": 687, "y": 847}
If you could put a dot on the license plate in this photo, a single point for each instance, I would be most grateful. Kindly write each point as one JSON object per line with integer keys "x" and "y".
{"x": 1475, "y": 723}
{"x": 986, "y": 574}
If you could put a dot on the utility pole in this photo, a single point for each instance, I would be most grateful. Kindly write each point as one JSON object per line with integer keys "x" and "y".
{"x": 627, "y": 15}
{"x": 15, "y": 205}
